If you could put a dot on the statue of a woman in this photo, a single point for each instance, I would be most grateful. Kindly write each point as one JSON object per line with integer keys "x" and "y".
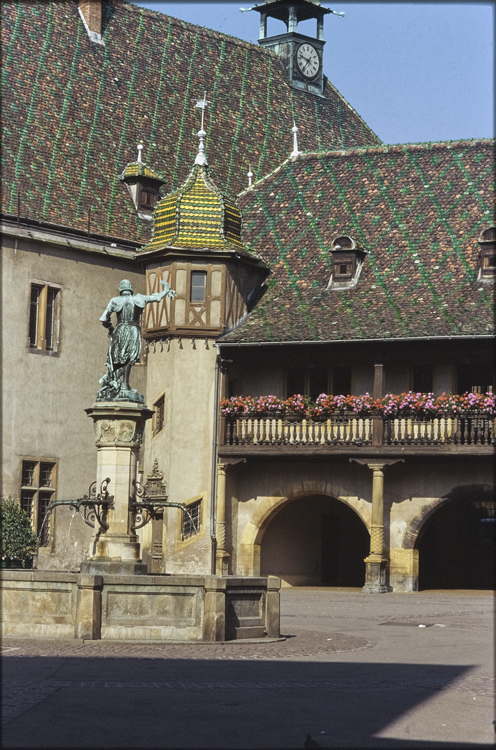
{"x": 125, "y": 340}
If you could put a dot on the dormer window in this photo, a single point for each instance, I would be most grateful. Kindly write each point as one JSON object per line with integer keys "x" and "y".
{"x": 148, "y": 198}
{"x": 343, "y": 268}
{"x": 143, "y": 185}
{"x": 487, "y": 255}
{"x": 347, "y": 259}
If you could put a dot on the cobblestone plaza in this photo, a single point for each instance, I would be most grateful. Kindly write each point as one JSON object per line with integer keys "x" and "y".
{"x": 411, "y": 670}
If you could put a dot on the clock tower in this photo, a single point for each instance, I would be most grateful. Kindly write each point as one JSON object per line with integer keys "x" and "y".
{"x": 302, "y": 55}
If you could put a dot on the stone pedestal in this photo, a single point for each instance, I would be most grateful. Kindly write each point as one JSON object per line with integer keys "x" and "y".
{"x": 118, "y": 431}
{"x": 375, "y": 575}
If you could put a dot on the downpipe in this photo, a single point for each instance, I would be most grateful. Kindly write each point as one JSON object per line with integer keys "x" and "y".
{"x": 213, "y": 491}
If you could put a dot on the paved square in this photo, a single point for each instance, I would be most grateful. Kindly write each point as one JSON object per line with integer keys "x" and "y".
{"x": 356, "y": 670}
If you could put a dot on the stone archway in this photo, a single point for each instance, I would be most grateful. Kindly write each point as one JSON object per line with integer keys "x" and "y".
{"x": 269, "y": 506}
{"x": 465, "y": 490}
{"x": 454, "y": 541}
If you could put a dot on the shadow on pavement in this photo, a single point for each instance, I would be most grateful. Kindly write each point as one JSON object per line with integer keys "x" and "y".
{"x": 218, "y": 703}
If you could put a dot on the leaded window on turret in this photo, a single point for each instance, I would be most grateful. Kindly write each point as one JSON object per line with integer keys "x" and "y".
{"x": 143, "y": 185}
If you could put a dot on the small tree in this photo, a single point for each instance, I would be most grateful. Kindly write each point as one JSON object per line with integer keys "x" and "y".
{"x": 17, "y": 538}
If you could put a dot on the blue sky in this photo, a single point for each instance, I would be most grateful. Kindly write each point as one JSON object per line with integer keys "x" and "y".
{"x": 415, "y": 72}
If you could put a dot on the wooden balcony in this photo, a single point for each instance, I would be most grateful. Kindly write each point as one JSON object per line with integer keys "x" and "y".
{"x": 470, "y": 433}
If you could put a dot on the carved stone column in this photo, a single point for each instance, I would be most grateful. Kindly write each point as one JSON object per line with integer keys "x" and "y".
{"x": 376, "y": 564}
{"x": 221, "y": 554}
{"x": 118, "y": 432}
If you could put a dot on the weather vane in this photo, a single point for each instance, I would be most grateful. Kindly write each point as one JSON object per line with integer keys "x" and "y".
{"x": 202, "y": 104}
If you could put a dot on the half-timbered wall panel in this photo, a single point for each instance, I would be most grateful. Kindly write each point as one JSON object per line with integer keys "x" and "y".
{"x": 236, "y": 293}
{"x": 158, "y": 316}
{"x": 186, "y": 313}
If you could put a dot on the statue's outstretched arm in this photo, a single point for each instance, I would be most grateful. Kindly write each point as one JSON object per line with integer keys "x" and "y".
{"x": 167, "y": 292}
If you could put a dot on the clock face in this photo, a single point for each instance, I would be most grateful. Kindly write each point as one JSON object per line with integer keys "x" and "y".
{"x": 307, "y": 59}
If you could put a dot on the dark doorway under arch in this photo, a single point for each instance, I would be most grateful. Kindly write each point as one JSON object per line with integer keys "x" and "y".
{"x": 316, "y": 541}
{"x": 456, "y": 545}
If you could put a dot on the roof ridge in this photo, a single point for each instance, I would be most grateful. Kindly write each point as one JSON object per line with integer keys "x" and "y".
{"x": 396, "y": 147}
{"x": 187, "y": 24}
{"x": 361, "y": 150}
{"x": 236, "y": 41}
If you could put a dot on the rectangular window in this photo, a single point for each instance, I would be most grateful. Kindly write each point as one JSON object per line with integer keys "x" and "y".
{"x": 312, "y": 381}
{"x": 488, "y": 266}
{"x": 318, "y": 382}
{"x": 341, "y": 381}
{"x": 475, "y": 378}
{"x": 295, "y": 381}
{"x": 38, "y": 489}
{"x": 422, "y": 379}
{"x": 159, "y": 417}
{"x": 343, "y": 268}
{"x": 198, "y": 286}
{"x": 44, "y": 317}
{"x": 191, "y": 520}
{"x": 148, "y": 199}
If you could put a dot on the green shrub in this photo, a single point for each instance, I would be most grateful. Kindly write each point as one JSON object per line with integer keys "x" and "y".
{"x": 17, "y": 538}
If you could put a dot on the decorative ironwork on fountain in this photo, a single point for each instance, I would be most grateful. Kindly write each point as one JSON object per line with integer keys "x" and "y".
{"x": 93, "y": 507}
{"x": 151, "y": 498}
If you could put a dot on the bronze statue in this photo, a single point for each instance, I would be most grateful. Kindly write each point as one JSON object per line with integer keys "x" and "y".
{"x": 125, "y": 340}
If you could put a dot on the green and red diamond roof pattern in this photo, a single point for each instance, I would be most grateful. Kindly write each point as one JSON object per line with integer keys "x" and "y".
{"x": 74, "y": 111}
{"x": 418, "y": 209}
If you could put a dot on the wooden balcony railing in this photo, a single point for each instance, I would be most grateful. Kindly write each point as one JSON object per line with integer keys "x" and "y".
{"x": 258, "y": 431}
{"x": 461, "y": 430}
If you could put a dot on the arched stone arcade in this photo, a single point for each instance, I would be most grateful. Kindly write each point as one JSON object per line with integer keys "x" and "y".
{"x": 315, "y": 533}
{"x": 455, "y": 540}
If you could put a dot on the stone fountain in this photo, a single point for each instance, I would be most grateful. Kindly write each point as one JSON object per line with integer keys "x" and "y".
{"x": 113, "y": 597}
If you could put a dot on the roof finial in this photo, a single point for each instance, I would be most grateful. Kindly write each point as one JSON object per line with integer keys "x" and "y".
{"x": 202, "y": 104}
{"x": 295, "y": 151}
{"x": 140, "y": 149}
{"x": 250, "y": 175}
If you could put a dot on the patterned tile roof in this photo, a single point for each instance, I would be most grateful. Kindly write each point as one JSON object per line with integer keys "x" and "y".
{"x": 418, "y": 209}
{"x": 73, "y": 111}
{"x": 197, "y": 216}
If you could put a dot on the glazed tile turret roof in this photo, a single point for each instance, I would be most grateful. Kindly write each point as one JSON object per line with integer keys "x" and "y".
{"x": 139, "y": 169}
{"x": 417, "y": 209}
{"x": 197, "y": 216}
{"x": 74, "y": 110}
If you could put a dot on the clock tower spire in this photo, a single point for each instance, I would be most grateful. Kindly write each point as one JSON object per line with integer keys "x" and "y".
{"x": 302, "y": 55}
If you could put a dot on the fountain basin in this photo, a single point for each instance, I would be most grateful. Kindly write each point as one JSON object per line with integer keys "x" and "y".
{"x": 52, "y": 604}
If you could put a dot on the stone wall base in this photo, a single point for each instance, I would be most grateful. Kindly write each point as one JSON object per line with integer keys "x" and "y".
{"x": 145, "y": 607}
{"x": 403, "y": 569}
